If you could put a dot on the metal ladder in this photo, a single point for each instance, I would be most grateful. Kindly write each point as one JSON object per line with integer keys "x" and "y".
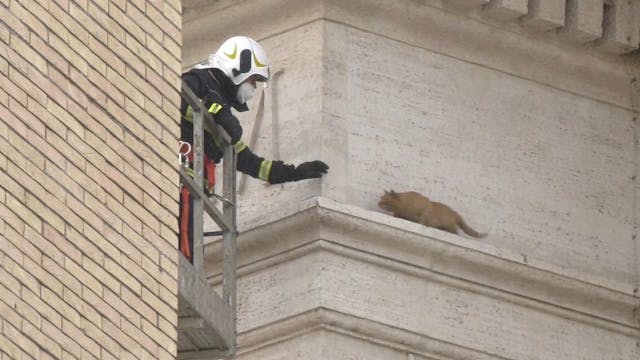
{"x": 206, "y": 322}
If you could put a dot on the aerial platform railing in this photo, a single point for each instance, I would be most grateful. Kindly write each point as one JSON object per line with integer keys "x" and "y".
{"x": 206, "y": 322}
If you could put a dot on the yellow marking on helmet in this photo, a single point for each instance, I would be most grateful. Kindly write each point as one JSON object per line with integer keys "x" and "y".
{"x": 234, "y": 54}
{"x": 255, "y": 60}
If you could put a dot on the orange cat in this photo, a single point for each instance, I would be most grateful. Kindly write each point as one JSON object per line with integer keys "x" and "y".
{"x": 414, "y": 207}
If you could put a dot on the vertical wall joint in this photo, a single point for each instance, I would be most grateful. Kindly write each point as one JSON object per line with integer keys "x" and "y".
{"x": 635, "y": 106}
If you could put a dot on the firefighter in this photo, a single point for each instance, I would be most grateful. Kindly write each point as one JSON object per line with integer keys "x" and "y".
{"x": 225, "y": 81}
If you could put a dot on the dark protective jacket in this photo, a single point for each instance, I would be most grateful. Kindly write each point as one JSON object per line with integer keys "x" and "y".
{"x": 217, "y": 93}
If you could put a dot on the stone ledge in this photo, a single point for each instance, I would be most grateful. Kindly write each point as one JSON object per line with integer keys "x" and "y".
{"x": 356, "y": 327}
{"x": 425, "y": 252}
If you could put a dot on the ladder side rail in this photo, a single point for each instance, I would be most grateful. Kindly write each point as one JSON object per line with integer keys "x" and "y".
{"x": 198, "y": 178}
{"x": 220, "y": 136}
{"x": 201, "y": 119}
{"x": 225, "y": 219}
{"x": 229, "y": 240}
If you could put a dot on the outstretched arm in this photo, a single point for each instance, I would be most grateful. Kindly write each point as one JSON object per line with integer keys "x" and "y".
{"x": 276, "y": 171}
{"x": 272, "y": 171}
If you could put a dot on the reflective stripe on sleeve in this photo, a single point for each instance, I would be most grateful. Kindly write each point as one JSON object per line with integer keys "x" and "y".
{"x": 189, "y": 115}
{"x": 215, "y": 108}
{"x": 265, "y": 169}
{"x": 240, "y": 145}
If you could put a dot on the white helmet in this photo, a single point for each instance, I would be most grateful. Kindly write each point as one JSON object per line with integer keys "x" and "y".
{"x": 239, "y": 57}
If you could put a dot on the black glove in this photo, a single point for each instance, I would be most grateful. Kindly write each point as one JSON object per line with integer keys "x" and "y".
{"x": 310, "y": 170}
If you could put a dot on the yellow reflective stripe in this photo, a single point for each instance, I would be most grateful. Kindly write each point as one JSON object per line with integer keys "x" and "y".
{"x": 189, "y": 118}
{"x": 240, "y": 145}
{"x": 265, "y": 169}
{"x": 215, "y": 108}
{"x": 190, "y": 172}
{"x": 189, "y": 115}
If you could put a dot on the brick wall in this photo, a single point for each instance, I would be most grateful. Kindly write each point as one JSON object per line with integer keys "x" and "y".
{"x": 88, "y": 126}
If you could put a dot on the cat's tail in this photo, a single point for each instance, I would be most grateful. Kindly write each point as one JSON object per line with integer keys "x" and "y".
{"x": 467, "y": 229}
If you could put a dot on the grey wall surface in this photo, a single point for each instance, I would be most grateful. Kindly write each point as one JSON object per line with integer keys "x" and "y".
{"x": 519, "y": 115}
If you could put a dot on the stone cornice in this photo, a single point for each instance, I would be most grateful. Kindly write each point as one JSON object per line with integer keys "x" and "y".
{"x": 320, "y": 224}
{"x": 322, "y": 319}
{"x": 555, "y": 57}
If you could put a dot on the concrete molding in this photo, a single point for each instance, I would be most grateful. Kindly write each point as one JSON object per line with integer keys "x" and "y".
{"x": 373, "y": 237}
{"x": 508, "y": 47}
{"x": 544, "y": 15}
{"x": 583, "y": 21}
{"x": 357, "y": 327}
{"x": 505, "y": 10}
{"x": 621, "y": 27}
{"x": 468, "y": 3}
{"x": 464, "y": 6}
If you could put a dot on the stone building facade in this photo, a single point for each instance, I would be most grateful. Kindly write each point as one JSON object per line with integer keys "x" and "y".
{"x": 521, "y": 115}
{"x": 89, "y": 97}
